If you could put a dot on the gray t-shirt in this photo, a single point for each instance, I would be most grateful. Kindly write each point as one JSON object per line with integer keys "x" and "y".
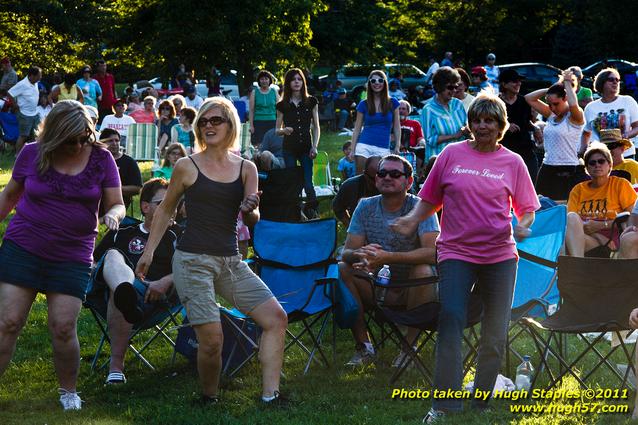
{"x": 373, "y": 222}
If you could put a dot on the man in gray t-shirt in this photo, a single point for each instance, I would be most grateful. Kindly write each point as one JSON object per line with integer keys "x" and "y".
{"x": 370, "y": 244}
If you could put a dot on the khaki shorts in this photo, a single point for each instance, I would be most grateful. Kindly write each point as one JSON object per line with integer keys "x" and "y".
{"x": 198, "y": 278}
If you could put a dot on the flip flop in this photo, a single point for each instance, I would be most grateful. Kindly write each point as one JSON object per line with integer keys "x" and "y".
{"x": 115, "y": 378}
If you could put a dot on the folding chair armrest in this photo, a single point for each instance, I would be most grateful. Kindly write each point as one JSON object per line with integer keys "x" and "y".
{"x": 325, "y": 282}
{"x": 407, "y": 283}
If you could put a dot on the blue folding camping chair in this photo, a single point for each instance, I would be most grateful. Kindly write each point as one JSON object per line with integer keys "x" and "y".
{"x": 536, "y": 292}
{"x": 9, "y": 129}
{"x": 294, "y": 260}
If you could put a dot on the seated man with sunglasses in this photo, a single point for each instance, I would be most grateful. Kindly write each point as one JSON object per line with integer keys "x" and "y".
{"x": 371, "y": 243}
{"x": 128, "y": 300}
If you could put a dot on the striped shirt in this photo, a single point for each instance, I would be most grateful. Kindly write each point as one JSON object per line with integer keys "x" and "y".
{"x": 436, "y": 121}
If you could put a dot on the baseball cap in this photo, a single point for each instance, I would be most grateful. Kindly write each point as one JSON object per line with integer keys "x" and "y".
{"x": 479, "y": 70}
{"x": 86, "y": 69}
{"x": 509, "y": 75}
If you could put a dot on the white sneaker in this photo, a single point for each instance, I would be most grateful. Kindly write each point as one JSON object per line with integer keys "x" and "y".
{"x": 361, "y": 357}
{"x": 433, "y": 416}
{"x": 70, "y": 400}
{"x": 401, "y": 358}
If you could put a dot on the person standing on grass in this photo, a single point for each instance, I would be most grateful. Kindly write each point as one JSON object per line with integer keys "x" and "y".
{"x": 107, "y": 84}
{"x": 377, "y": 118}
{"x": 56, "y": 188}
{"x": 25, "y": 96}
{"x": 298, "y": 122}
{"x": 262, "y": 113}
{"x": 477, "y": 182}
{"x": 217, "y": 185}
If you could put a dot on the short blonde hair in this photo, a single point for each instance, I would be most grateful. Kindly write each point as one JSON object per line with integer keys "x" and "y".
{"x": 229, "y": 113}
{"x": 489, "y": 105}
{"x": 68, "y": 120}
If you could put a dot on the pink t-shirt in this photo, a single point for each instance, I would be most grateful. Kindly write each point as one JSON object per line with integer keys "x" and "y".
{"x": 477, "y": 191}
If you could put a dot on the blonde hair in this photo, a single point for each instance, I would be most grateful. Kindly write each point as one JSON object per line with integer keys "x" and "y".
{"x": 229, "y": 113}
{"x": 68, "y": 120}
{"x": 489, "y": 105}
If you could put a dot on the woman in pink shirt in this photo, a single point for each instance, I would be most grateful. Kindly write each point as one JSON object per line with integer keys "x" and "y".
{"x": 477, "y": 181}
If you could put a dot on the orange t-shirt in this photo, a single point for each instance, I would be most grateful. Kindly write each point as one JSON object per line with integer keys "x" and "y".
{"x": 602, "y": 203}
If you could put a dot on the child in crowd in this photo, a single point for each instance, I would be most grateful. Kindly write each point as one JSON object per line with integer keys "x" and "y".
{"x": 183, "y": 132}
{"x": 346, "y": 164}
{"x": 43, "y": 107}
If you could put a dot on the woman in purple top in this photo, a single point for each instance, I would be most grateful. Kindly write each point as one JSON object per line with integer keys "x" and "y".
{"x": 56, "y": 187}
{"x": 477, "y": 182}
{"x": 377, "y": 118}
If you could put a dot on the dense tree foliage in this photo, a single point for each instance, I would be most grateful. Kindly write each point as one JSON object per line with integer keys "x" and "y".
{"x": 145, "y": 38}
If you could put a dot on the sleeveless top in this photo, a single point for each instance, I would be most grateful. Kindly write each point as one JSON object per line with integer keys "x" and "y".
{"x": 68, "y": 95}
{"x": 562, "y": 141}
{"x": 212, "y": 209}
{"x": 186, "y": 138}
{"x": 265, "y": 105}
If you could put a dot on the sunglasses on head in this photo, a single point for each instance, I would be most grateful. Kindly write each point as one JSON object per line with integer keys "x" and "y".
{"x": 214, "y": 121}
{"x": 395, "y": 174}
{"x": 599, "y": 161}
{"x": 376, "y": 80}
{"x": 613, "y": 80}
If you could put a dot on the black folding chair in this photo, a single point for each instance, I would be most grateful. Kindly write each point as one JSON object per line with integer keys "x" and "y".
{"x": 423, "y": 317}
{"x": 596, "y": 296}
{"x": 160, "y": 323}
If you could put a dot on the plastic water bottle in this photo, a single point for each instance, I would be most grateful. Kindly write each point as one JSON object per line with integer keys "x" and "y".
{"x": 383, "y": 279}
{"x": 524, "y": 374}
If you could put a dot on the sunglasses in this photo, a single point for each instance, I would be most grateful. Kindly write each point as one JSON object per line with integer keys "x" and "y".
{"x": 165, "y": 108}
{"x": 593, "y": 162}
{"x": 613, "y": 80}
{"x": 214, "y": 121}
{"x": 395, "y": 174}
{"x": 376, "y": 80}
{"x": 83, "y": 140}
{"x": 612, "y": 146}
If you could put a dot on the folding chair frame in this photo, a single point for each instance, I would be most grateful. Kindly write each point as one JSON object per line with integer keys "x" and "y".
{"x": 555, "y": 345}
{"x": 161, "y": 329}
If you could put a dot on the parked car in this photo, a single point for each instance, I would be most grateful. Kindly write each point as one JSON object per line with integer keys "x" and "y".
{"x": 229, "y": 86}
{"x": 354, "y": 77}
{"x": 537, "y": 75}
{"x": 626, "y": 69}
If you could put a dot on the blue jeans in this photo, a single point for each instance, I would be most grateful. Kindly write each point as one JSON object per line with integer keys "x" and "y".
{"x": 342, "y": 118}
{"x": 290, "y": 160}
{"x": 496, "y": 285}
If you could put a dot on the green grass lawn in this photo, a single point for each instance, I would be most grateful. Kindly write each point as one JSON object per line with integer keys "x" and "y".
{"x": 334, "y": 395}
